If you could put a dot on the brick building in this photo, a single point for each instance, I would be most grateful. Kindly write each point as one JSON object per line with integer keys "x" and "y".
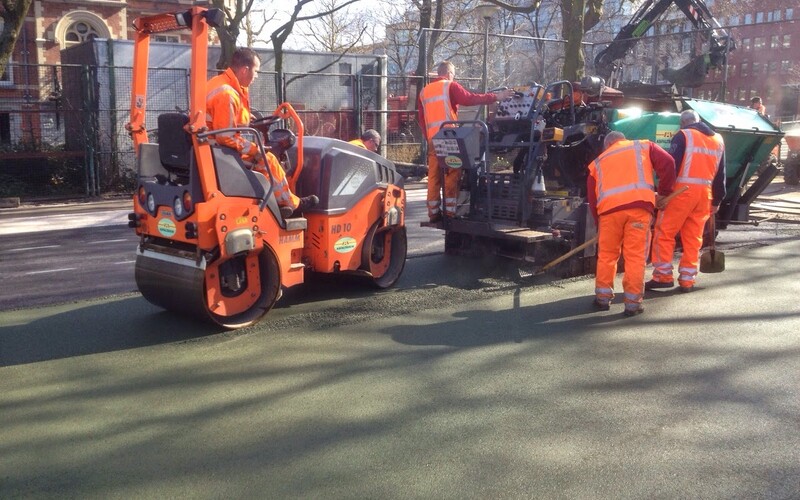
{"x": 766, "y": 62}
{"x": 30, "y": 86}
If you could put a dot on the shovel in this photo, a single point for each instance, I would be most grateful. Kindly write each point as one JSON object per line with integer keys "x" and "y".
{"x": 592, "y": 241}
{"x": 712, "y": 260}
{"x": 566, "y": 256}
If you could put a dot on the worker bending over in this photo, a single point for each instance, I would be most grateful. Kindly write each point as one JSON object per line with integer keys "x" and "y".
{"x": 370, "y": 140}
{"x": 621, "y": 196}
{"x": 228, "y": 106}
{"x": 699, "y": 155}
{"x": 438, "y": 103}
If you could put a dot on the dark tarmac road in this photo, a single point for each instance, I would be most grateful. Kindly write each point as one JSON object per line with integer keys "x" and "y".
{"x": 452, "y": 385}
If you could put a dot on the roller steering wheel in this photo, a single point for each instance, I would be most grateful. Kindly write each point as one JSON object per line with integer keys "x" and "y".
{"x": 264, "y": 120}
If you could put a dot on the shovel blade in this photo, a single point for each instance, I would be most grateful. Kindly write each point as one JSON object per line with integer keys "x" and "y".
{"x": 712, "y": 261}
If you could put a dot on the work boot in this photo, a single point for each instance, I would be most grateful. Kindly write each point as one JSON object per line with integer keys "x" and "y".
{"x": 653, "y": 284}
{"x": 687, "y": 289}
{"x": 633, "y": 312}
{"x": 307, "y": 202}
{"x": 435, "y": 219}
{"x": 601, "y": 305}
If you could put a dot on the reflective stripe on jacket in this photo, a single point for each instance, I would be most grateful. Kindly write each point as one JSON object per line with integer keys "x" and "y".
{"x": 701, "y": 158}
{"x": 624, "y": 175}
{"x": 228, "y": 105}
{"x": 435, "y": 98}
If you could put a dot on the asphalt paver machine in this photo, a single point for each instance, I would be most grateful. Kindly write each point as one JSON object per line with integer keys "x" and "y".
{"x": 213, "y": 243}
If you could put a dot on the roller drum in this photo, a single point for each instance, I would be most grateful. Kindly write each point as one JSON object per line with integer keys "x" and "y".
{"x": 172, "y": 285}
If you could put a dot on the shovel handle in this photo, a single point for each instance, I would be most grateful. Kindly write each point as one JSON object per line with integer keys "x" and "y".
{"x": 567, "y": 255}
{"x": 669, "y": 197}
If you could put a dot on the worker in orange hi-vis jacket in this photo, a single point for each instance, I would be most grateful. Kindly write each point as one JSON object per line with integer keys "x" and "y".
{"x": 699, "y": 155}
{"x": 622, "y": 199}
{"x": 438, "y": 103}
{"x": 228, "y": 106}
{"x": 370, "y": 140}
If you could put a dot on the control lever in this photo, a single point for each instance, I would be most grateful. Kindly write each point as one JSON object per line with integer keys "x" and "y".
{"x": 500, "y": 89}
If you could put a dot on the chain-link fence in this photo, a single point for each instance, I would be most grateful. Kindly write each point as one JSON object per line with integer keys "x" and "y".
{"x": 36, "y": 111}
{"x": 69, "y": 137}
{"x": 62, "y": 128}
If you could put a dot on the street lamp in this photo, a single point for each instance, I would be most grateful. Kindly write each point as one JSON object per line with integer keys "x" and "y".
{"x": 485, "y": 11}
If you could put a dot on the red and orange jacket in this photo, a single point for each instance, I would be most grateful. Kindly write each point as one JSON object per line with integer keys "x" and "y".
{"x": 622, "y": 177}
{"x": 704, "y": 136}
{"x": 439, "y": 101}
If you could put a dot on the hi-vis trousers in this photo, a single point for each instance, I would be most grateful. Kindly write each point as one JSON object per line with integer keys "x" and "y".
{"x": 625, "y": 232}
{"x": 452, "y": 176}
{"x": 686, "y": 214}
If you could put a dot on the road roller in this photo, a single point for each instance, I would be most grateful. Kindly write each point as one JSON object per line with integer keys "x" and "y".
{"x": 213, "y": 242}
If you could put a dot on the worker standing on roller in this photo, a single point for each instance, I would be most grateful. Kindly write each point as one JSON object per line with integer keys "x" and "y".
{"x": 438, "y": 103}
{"x": 228, "y": 106}
{"x": 621, "y": 196}
{"x": 699, "y": 155}
{"x": 370, "y": 140}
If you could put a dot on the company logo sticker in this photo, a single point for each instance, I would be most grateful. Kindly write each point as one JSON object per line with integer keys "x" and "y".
{"x": 241, "y": 220}
{"x": 345, "y": 244}
{"x": 166, "y": 227}
{"x": 453, "y": 161}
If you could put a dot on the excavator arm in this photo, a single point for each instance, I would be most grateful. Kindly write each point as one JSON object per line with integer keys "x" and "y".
{"x": 607, "y": 62}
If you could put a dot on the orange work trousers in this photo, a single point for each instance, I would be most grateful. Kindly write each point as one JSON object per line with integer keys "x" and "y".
{"x": 686, "y": 214}
{"x": 452, "y": 177}
{"x": 283, "y": 194}
{"x": 626, "y": 232}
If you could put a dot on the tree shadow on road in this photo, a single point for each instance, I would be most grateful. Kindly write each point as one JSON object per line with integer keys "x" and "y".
{"x": 89, "y": 328}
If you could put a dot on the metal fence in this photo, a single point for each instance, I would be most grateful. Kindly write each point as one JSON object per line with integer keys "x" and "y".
{"x": 63, "y": 134}
{"x": 62, "y": 128}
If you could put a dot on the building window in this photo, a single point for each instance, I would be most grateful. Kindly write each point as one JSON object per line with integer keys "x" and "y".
{"x": 5, "y": 128}
{"x": 80, "y": 32}
{"x": 759, "y": 17}
{"x": 686, "y": 45}
{"x": 79, "y": 26}
{"x": 745, "y": 68}
{"x": 746, "y": 44}
{"x": 775, "y": 42}
{"x": 748, "y": 19}
{"x": 166, "y": 38}
{"x": 789, "y": 14}
{"x": 773, "y": 68}
{"x": 787, "y": 41}
{"x": 734, "y": 20}
{"x": 759, "y": 42}
{"x": 756, "y": 68}
{"x": 785, "y": 67}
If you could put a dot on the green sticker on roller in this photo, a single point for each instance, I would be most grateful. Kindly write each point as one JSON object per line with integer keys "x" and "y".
{"x": 453, "y": 161}
{"x": 345, "y": 244}
{"x": 166, "y": 227}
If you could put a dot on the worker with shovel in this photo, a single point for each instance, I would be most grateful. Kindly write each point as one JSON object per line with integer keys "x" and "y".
{"x": 699, "y": 155}
{"x": 622, "y": 199}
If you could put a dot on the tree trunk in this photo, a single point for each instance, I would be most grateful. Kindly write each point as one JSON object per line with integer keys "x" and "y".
{"x": 13, "y": 18}
{"x": 572, "y": 13}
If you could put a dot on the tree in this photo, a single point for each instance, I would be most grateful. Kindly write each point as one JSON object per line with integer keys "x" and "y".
{"x": 229, "y": 34}
{"x": 336, "y": 31}
{"x": 280, "y": 35}
{"x": 13, "y": 15}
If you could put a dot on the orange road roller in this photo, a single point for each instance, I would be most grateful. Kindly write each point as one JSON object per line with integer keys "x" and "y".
{"x": 213, "y": 242}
